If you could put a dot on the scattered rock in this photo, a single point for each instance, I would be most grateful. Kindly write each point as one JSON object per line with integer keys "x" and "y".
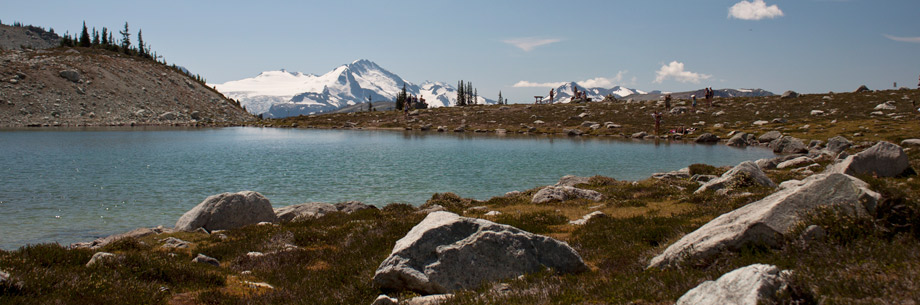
{"x": 702, "y": 179}
{"x": 168, "y": 116}
{"x": 751, "y": 285}
{"x": 837, "y": 144}
{"x": 100, "y": 258}
{"x": 228, "y": 211}
{"x": 571, "y": 180}
{"x": 446, "y": 252}
{"x": 766, "y": 221}
{"x": 817, "y": 112}
{"x": 682, "y": 173}
{"x": 385, "y": 300}
{"x": 71, "y": 75}
{"x": 349, "y": 207}
{"x": 611, "y": 125}
{"x": 884, "y": 159}
{"x": 588, "y": 123}
{"x": 739, "y": 139}
{"x": 788, "y": 145}
{"x": 707, "y": 138}
{"x": 204, "y": 259}
{"x": 4, "y": 278}
{"x": 746, "y": 173}
{"x": 862, "y": 88}
{"x": 174, "y": 243}
{"x": 435, "y": 299}
{"x": 136, "y": 233}
{"x": 493, "y": 213}
{"x": 789, "y": 94}
{"x": 813, "y": 233}
{"x": 442, "y": 128}
{"x": 432, "y": 209}
{"x": 515, "y": 193}
{"x": 538, "y": 122}
{"x": 889, "y": 105}
{"x": 679, "y": 110}
{"x": 911, "y": 142}
{"x": 563, "y": 193}
{"x": 572, "y": 132}
{"x": 797, "y": 162}
{"x": 639, "y": 135}
{"x": 780, "y": 121}
{"x": 760, "y": 123}
{"x": 769, "y": 136}
{"x": 586, "y": 218}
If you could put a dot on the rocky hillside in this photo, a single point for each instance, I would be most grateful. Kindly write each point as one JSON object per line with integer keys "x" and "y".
{"x": 27, "y": 37}
{"x": 92, "y": 87}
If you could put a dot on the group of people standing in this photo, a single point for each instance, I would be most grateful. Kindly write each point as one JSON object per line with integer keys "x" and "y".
{"x": 709, "y": 95}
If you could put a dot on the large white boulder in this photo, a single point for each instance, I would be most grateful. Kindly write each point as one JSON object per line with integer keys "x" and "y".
{"x": 446, "y": 252}
{"x": 751, "y": 285}
{"x": 884, "y": 159}
{"x": 747, "y": 170}
{"x": 765, "y": 222}
{"x": 228, "y": 211}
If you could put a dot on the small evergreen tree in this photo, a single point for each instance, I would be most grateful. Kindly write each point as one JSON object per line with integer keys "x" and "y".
{"x": 461, "y": 96}
{"x": 95, "y": 37}
{"x": 126, "y": 39}
{"x": 500, "y": 99}
{"x": 475, "y": 96}
{"x": 140, "y": 44}
{"x": 105, "y": 38}
{"x": 401, "y": 98}
{"x": 84, "y": 37}
{"x": 111, "y": 41}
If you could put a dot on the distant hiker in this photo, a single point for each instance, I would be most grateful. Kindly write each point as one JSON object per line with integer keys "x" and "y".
{"x": 667, "y": 102}
{"x": 574, "y": 93}
{"x": 895, "y": 85}
{"x": 657, "y": 116}
{"x": 709, "y": 95}
{"x": 693, "y": 97}
{"x": 552, "y": 95}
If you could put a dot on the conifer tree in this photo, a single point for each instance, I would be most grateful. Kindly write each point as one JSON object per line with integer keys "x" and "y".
{"x": 95, "y": 37}
{"x": 461, "y": 96}
{"x": 500, "y": 99}
{"x": 126, "y": 39}
{"x": 475, "y": 96}
{"x": 105, "y": 38}
{"x": 84, "y": 37}
{"x": 140, "y": 44}
{"x": 401, "y": 98}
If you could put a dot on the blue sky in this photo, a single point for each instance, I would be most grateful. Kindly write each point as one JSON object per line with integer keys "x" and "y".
{"x": 521, "y": 47}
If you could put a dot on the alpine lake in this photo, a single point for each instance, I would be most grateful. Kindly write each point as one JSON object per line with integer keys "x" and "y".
{"x": 70, "y": 185}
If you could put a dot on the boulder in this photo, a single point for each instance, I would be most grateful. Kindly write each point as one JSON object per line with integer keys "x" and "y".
{"x": 582, "y": 221}
{"x": 446, "y": 252}
{"x": 174, "y": 243}
{"x": 817, "y": 112}
{"x": 571, "y": 180}
{"x": 434, "y": 299}
{"x": 789, "y": 94}
{"x": 797, "y": 162}
{"x": 563, "y": 193}
{"x": 204, "y": 259}
{"x": 136, "y": 233}
{"x": 771, "y": 163}
{"x": 911, "y": 142}
{"x": 588, "y": 123}
{"x": 682, "y": 173}
{"x": 349, "y": 207}
{"x": 640, "y": 135}
{"x": 572, "y": 132}
{"x": 168, "y": 116}
{"x": 538, "y": 122}
{"x": 884, "y": 159}
{"x": 837, "y": 144}
{"x": 769, "y": 136}
{"x": 788, "y": 145}
{"x": 304, "y": 211}
{"x": 228, "y": 211}
{"x": 679, "y": 110}
{"x": 738, "y": 140}
{"x": 71, "y": 75}
{"x": 385, "y": 300}
{"x": 751, "y": 285}
{"x": 862, "y": 88}
{"x": 760, "y": 123}
{"x": 100, "y": 258}
{"x": 765, "y": 222}
{"x": 889, "y": 105}
{"x": 707, "y": 138}
{"x": 745, "y": 173}
{"x": 4, "y": 277}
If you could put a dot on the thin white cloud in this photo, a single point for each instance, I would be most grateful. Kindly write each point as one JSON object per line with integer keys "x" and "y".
{"x": 529, "y": 43}
{"x": 597, "y": 82}
{"x": 903, "y": 39}
{"x": 754, "y": 10}
{"x": 675, "y": 70}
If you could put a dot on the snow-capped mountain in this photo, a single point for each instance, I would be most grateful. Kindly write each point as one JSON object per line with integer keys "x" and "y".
{"x": 564, "y": 93}
{"x": 282, "y": 94}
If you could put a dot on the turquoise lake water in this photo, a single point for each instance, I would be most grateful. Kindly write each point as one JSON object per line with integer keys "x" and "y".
{"x": 76, "y": 185}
